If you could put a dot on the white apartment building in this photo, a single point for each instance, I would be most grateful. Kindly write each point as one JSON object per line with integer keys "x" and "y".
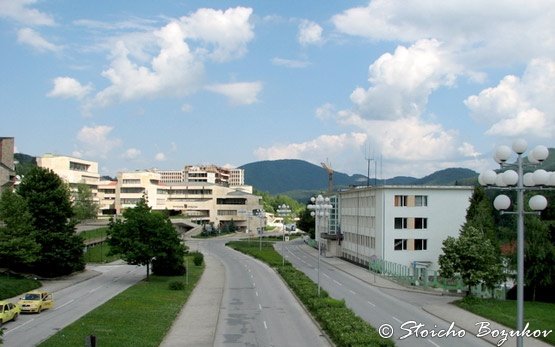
{"x": 400, "y": 224}
{"x": 132, "y": 186}
{"x": 73, "y": 171}
{"x": 204, "y": 173}
{"x": 201, "y": 202}
{"x": 236, "y": 177}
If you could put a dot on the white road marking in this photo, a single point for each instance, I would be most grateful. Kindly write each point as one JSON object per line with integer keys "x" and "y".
{"x": 397, "y": 319}
{"x": 326, "y": 275}
{"x": 256, "y": 293}
{"x": 352, "y": 292}
{"x": 432, "y": 342}
{"x": 95, "y": 289}
{"x": 369, "y": 303}
{"x": 19, "y": 326}
{"x": 265, "y": 325}
{"x": 67, "y": 303}
{"x": 260, "y": 307}
{"x": 338, "y": 283}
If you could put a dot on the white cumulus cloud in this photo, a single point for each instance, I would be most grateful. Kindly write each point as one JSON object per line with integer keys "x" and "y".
{"x": 131, "y": 153}
{"x": 96, "y": 141}
{"x": 479, "y": 31}
{"x": 160, "y": 156}
{"x": 342, "y": 149}
{"x": 519, "y": 106}
{"x": 402, "y": 82}
{"x": 22, "y": 11}
{"x": 32, "y": 38}
{"x": 223, "y": 34}
{"x": 67, "y": 87}
{"x": 240, "y": 93}
{"x": 310, "y": 33}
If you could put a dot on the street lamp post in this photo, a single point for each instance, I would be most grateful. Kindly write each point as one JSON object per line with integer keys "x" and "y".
{"x": 517, "y": 180}
{"x": 284, "y": 211}
{"x": 320, "y": 211}
{"x": 261, "y": 215}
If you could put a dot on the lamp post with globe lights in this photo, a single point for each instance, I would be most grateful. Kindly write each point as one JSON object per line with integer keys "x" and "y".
{"x": 320, "y": 211}
{"x": 519, "y": 182}
{"x": 283, "y": 211}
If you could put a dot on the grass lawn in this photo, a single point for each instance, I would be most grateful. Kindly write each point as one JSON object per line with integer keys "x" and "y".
{"x": 11, "y": 285}
{"x": 99, "y": 254}
{"x": 140, "y": 316}
{"x": 94, "y": 234}
{"x": 540, "y": 315}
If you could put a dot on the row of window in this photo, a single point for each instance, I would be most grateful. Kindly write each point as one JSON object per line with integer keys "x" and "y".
{"x": 411, "y": 200}
{"x": 410, "y": 244}
{"x": 411, "y": 223}
{"x": 363, "y": 240}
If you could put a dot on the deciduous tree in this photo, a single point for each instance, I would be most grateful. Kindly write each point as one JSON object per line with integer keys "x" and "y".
{"x": 145, "y": 236}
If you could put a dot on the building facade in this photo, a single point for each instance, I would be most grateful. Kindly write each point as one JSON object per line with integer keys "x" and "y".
{"x": 73, "y": 171}
{"x": 401, "y": 224}
{"x": 204, "y": 174}
{"x": 7, "y": 164}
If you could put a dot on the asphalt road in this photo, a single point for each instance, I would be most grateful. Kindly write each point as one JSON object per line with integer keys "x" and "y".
{"x": 400, "y": 310}
{"x": 71, "y": 303}
{"x": 257, "y": 308}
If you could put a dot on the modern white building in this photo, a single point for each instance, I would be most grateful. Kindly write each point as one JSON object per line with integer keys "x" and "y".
{"x": 204, "y": 173}
{"x": 405, "y": 225}
{"x": 73, "y": 171}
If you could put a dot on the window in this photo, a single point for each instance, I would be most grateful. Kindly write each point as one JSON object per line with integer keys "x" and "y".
{"x": 400, "y": 200}
{"x": 420, "y": 244}
{"x": 131, "y": 181}
{"x": 421, "y": 200}
{"x": 420, "y": 223}
{"x": 400, "y": 223}
{"x": 400, "y": 244}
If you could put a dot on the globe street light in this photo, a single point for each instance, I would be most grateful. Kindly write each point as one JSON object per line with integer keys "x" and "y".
{"x": 517, "y": 180}
{"x": 320, "y": 211}
{"x": 283, "y": 211}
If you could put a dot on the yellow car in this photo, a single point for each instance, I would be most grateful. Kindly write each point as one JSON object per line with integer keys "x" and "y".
{"x": 36, "y": 301}
{"x": 8, "y": 312}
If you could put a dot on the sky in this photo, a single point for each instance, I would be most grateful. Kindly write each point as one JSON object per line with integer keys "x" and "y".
{"x": 403, "y": 87}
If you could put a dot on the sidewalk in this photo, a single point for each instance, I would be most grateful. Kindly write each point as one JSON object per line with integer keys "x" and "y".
{"x": 196, "y": 324}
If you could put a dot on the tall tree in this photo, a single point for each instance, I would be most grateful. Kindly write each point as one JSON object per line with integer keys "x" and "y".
{"x": 84, "y": 206}
{"x": 48, "y": 200}
{"x": 473, "y": 257}
{"x": 18, "y": 248}
{"x": 145, "y": 236}
{"x": 539, "y": 260}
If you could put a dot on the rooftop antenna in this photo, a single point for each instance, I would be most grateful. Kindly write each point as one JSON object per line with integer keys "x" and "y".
{"x": 329, "y": 170}
{"x": 368, "y": 160}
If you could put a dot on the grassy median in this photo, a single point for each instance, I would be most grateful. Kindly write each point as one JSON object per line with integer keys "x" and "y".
{"x": 139, "y": 316}
{"x": 339, "y": 322}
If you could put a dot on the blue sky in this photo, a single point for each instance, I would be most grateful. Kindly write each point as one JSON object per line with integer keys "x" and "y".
{"x": 418, "y": 85}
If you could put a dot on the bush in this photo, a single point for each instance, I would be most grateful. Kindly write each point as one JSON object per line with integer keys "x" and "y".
{"x": 176, "y": 285}
{"x": 198, "y": 258}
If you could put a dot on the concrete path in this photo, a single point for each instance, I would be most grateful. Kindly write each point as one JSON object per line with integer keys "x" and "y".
{"x": 196, "y": 324}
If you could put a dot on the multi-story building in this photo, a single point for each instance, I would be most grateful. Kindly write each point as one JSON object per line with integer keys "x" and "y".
{"x": 201, "y": 202}
{"x": 7, "y": 165}
{"x": 204, "y": 173}
{"x": 107, "y": 197}
{"x": 74, "y": 171}
{"x": 236, "y": 177}
{"x": 132, "y": 186}
{"x": 400, "y": 224}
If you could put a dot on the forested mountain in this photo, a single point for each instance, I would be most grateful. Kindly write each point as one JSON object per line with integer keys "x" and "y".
{"x": 297, "y": 178}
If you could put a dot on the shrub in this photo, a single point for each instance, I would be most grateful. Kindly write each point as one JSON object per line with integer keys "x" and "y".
{"x": 176, "y": 285}
{"x": 198, "y": 258}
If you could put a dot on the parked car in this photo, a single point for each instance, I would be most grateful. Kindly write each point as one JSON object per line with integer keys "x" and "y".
{"x": 8, "y": 312}
{"x": 36, "y": 301}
